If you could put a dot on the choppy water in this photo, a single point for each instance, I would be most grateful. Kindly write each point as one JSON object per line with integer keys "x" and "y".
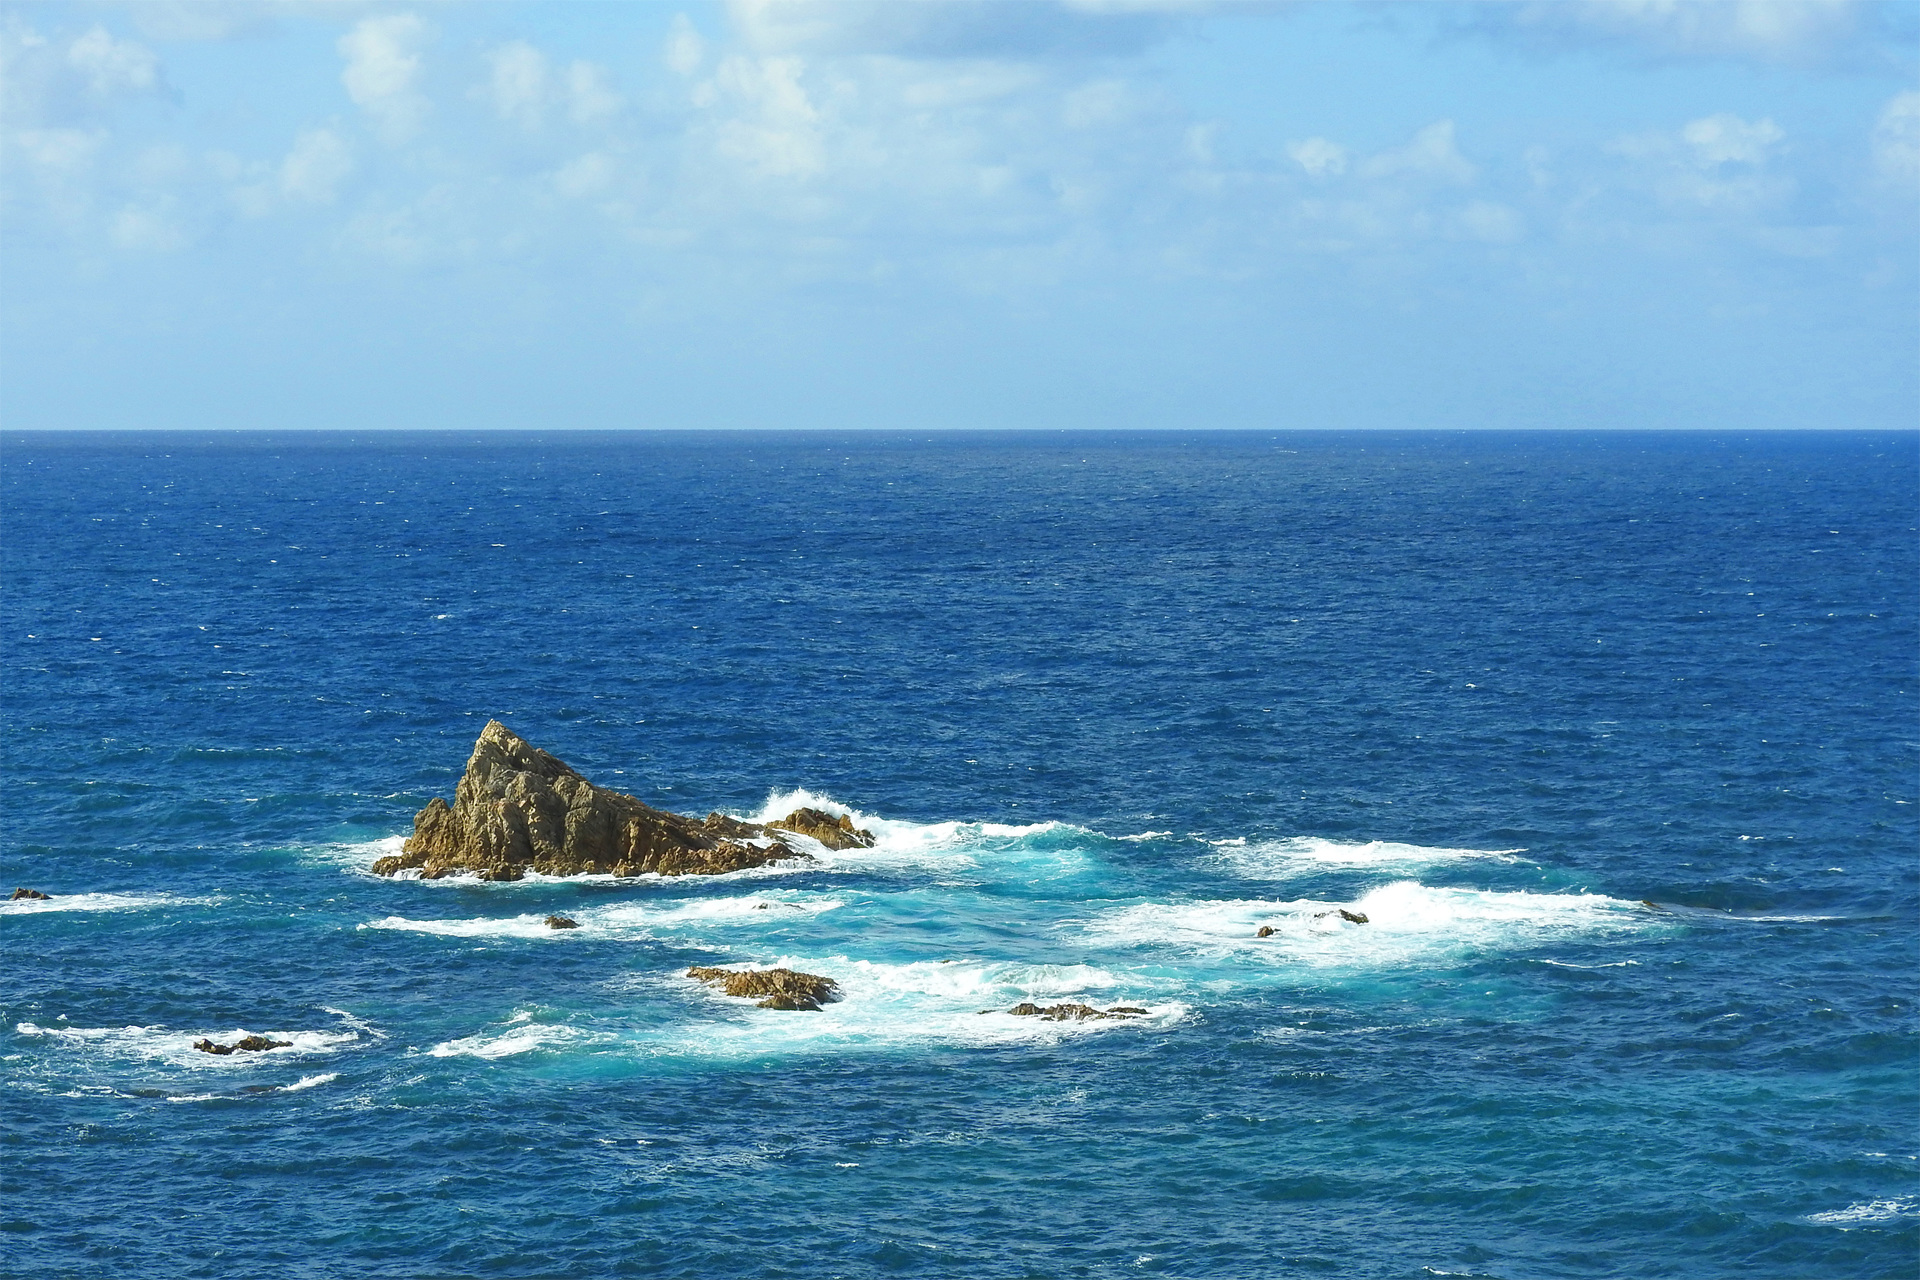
{"x": 1111, "y": 703}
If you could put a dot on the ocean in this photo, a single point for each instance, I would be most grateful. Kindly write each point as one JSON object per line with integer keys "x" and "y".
{"x": 1611, "y": 738}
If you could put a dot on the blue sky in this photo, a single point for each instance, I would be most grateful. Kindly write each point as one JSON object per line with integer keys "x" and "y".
{"x": 948, "y": 214}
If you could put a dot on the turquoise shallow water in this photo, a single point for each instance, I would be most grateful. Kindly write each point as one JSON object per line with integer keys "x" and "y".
{"x": 1612, "y": 739}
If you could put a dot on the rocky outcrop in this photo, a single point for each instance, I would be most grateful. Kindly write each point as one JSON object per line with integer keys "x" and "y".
{"x": 562, "y": 922}
{"x": 19, "y": 894}
{"x": 781, "y": 988}
{"x": 252, "y": 1044}
{"x": 1265, "y": 931}
{"x": 1351, "y": 917}
{"x": 518, "y": 809}
{"x": 1073, "y": 1012}
{"x": 835, "y": 833}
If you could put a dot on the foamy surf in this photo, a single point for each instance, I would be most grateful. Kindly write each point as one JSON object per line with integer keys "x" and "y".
{"x": 1283, "y": 859}
{"x": 1869, "y": 1212}
{"x": 100, "y": 902}
{"x": 630, "y": 921}
{"x": 175, "y": 1048}
{"x": 521, "y": 1035}
{"x": 1405, "y": 922}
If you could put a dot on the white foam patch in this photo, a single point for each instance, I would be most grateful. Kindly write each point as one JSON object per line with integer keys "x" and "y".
{"x": 947, "y": 846}
{"x": 310, "y": 1082}
{"x": 886, "y": 1005}
{"x": 520, "y": 1036}
{"x": 358, "y": 855}
{"x": 1280, "y": 859}
{"x": 1870, "y": 1211}
{"x": 1406, "y": 923}
{"x": 176, "y": 1047}
{"x": 100, "y": 902}
{"x": 630, "y": 920}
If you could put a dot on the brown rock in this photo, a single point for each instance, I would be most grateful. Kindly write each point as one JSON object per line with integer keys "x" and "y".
{"x": 781, "y": 988}
{"x": 518, "y": 809}
{"x": 1071, "y": 1012}
{"x": 252, "y": 1044}
{"x": 562, "y": 922}
{"x": 835, "y": 833}
{"x": 1352, "y": 917}
{"x": 1266, "y": 931}
{"x": 18, "y": 894}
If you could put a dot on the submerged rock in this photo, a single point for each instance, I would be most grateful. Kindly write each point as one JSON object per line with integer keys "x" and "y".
{"x": 29, "y": 893}
{"x": 518, "y": 809}
{"x": 1072, "y": 1012}
{"x": 562, "y": 922}
{"x": 252, "y": 1044}
{"x": 782, "y": 988}
{"x": 1352, "y": 917}
{"x": 835, "y": 833}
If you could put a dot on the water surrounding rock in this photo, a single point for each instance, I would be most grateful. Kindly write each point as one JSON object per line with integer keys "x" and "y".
{"x": 252, "y": 1044}
{"x": 517, "y": 809}
{"x": 782, "y": 988}
{"x": 835, "y": 833}
{"x": 1072, "y": 1012}
{"x": 562, "y": 922}
{"x": 29, "y": 893}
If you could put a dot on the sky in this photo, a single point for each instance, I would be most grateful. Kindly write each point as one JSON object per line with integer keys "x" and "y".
{"x": 942, "y": 214}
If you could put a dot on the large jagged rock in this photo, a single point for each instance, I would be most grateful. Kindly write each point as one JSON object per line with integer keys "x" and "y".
{"x": 518, "y": 809}
{"x": 835, "y": 833}
{"x": 783, "y": 988}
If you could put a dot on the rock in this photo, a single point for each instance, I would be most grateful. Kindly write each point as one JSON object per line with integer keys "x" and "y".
{"x": 562, "y": 922}
{"x": 1352, "y": 917}
{"x": 1266, "y": 931}
{"x": 18, "y": 894}
{"x": 252, "y": 1044}
{"x": 1071, "y": 1012}
{"x": 781, "y": 988}
{"x": 518, "y": 809}
{"x": 835, "y": 833}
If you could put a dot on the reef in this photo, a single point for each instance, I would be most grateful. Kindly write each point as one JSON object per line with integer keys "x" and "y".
{"x": 517, "y": 809}
{"x": 252, "y": 1044}
{"x": 1073, "y": 1012}
{"x": 781, "y": 988}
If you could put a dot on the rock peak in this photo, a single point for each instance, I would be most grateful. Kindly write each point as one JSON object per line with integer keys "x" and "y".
{"x": 518, "y": 809}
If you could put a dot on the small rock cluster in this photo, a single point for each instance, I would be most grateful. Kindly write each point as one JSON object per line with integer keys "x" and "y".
{"x": 1073, "y": 1012}
{"x": 252, "y": 1044}
{"x": 781, "y": 988}
{"x": 1351, "y": 917}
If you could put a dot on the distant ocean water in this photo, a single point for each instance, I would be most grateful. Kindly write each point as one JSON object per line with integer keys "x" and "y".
{"x": 1612, "y": 738}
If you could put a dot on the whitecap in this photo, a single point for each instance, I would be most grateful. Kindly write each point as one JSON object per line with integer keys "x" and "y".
{"x": 637, "y": 921}
{"x": 157, "y": 1043}
{"x": 100, "y": 902}
{"x": 1281, "y": 859}
{"x": 1868, "y": 1212}
{"x": 310, "y": 1082}
{"x": 520, "y": 1036}
{"x": 1406, "y": 922}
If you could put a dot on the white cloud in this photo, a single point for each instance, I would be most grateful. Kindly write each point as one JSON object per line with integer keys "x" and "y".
{"x": 1319, "y": 157}
{"x": 777, "y": 131}
{"x": 685, "y": 49}
{"x": 584, "y": 176}
{"x": 1727, "y": 139}
{"x": 111, "y": 66}
{"x": 518, "y": 87}
{"x": 589, "y": 98}
{"x": 1430, "y": 154}
{"x": 955, "y": 28}
{"x": 318, "y": 162}
{"x": 145, "y": 231}
{"x": 1789, "y": 31}
{"x": 1896, "y": 138}
{"x": 67, "y": 152}
{"x": 383, "y": 71}
{"x": 1492, "y": 222}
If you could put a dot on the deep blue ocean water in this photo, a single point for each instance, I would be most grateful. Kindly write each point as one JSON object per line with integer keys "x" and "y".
{"x": 1613, "y": 739}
